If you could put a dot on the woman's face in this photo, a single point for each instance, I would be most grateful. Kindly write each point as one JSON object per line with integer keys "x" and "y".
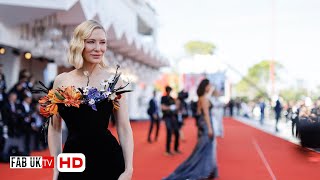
{"x": 208, "y": 88}
{"x": 95, "y": 46}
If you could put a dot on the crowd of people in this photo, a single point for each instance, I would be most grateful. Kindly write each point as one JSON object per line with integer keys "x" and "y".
{"x": 20, "y": 121}
{"x": 303, "y": 115}
{"x": 207, "y": 111}
{"x": 174, "y": 110}
{"x": 305, "y": 119}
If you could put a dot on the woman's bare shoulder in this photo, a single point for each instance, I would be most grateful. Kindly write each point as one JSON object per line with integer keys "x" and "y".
{"x": 106, "y": 72}
{"x": 61, "y": 79}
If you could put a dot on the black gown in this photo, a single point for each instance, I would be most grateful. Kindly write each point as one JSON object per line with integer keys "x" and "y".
{"x": 202, "y": 162}
{"x": 88, "y": 134}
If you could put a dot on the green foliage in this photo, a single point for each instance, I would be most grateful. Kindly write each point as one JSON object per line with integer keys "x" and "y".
{"x": 254, "y": 83}
{"x": 293, "y": 93}
{"x": 315, "y": 94}
{"x": 199, "y": 47}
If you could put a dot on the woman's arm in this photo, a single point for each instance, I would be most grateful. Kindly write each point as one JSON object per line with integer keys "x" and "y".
{"x": 55, "y": 141}
{"x": 125, "y": 137}
{"x": 178, "y": 105}
{"x": 55, "y": 135}
{"x": 165, "y": 107}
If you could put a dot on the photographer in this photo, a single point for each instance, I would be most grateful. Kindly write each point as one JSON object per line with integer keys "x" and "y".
{"x": 169, "y": 111}
{"x": 3, "y": 87}
{"x": 27, "y": 120}
{"x": 153, "y": 112}
{"x": 182, "y": 110}
{"x": 13, "y": 126}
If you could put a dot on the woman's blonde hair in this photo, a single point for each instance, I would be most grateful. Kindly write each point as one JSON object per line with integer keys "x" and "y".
{"x": 82, "y": 32}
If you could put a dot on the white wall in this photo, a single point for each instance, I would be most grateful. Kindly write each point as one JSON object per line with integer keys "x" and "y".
{"x": 138, "y": 101}
{"x": 9, "y": 35}
{"x": 117, "y": 13}
{"x": 11, "y": 67}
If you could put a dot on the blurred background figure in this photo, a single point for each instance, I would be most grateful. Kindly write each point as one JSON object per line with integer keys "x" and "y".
{"x": 36, "y": 129}
{"x": 27, "y": 120}
{"x": 288, "y": 111}
{"x": 23, "y": 85}
{"x": 3, "y": 128}
{"x": 231, "y": 105}
{"x": 309, "y": 124}
{"x": 238, "y": 105}
{"x": 295, "y": 117}
{"x": 245, "y": 108}
{"x": 153, "y": 112}
{"x": 217, "y": 113}
{"x": 11, "y": 114}
{"x": 305, "y": 125}
{"x": 182, "y": 110}
{"x": 3, "y": 87}
{"x": 202, "y": 163}
{"x": 262, "y": 106}
{"x": 277, "y": 111}
{"x": 169, "y": 112}
{"x": 315, "y": 111}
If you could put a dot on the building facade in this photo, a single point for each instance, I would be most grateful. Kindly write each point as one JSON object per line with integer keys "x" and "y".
{"x": 44, "y": 28}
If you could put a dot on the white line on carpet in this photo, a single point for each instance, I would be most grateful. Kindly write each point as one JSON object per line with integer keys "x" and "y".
{"x": 264, "y": 160}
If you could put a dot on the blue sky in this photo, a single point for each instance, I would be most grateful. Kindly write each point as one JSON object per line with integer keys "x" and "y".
{"x": 243, "y": 33}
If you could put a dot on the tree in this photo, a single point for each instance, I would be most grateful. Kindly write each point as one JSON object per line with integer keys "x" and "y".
{"x": 254, "y": 83}
{"x": 199, "y": 47}
{"x": 293, "y": 93}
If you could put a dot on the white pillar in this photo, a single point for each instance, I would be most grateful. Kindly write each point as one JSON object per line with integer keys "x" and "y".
{"x": 11, "y": 68}
{"x": 50, "y": 73}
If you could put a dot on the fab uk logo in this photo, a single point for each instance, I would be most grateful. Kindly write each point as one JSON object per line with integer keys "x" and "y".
{"x": 18, "y": 162}
{"x": 66, "y": 162}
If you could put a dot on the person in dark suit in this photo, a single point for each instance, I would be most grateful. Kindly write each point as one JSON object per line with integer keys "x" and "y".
{"x": 262, "y": 106}
{"x": 19, "y": 88}
{"x": 315, "y": 111}
{"x": 277, "y": 110}
{"x": 37, "y": 125}
{"x": 14, "y": 127}
{"x": 26, "y": 118}
{"x": 182, "y": 110}
{"x": 153, "y": 112}
{"x": 231, "y": 105}
{"x": 169, "y": 111}
{"x": 10, "y": 114}
{"x": 3, "y": 87}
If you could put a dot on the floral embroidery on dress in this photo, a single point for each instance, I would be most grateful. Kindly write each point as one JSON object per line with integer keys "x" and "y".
{"x": 71, "y": 96}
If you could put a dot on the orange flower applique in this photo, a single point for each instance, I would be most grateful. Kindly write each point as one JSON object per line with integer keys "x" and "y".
{"x": 68, "y": 96}
{"x": 72, "y": 96}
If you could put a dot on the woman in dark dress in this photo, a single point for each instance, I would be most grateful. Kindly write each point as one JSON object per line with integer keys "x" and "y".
{"x": 85, "y": 98}
{"x": 201, "y": 164}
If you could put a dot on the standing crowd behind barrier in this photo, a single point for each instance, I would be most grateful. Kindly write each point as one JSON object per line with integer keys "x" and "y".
{"x": 20, "y": 122}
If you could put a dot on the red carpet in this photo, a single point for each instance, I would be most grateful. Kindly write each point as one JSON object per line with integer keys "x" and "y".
{"x": 244, "y": 153}
{"x": 239, "y": 156}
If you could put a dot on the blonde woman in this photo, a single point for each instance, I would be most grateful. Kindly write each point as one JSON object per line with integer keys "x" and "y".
{"x": 85, "y": 98}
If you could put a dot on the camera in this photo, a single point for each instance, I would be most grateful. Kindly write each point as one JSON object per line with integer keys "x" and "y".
{"x": 183, "y": 95}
